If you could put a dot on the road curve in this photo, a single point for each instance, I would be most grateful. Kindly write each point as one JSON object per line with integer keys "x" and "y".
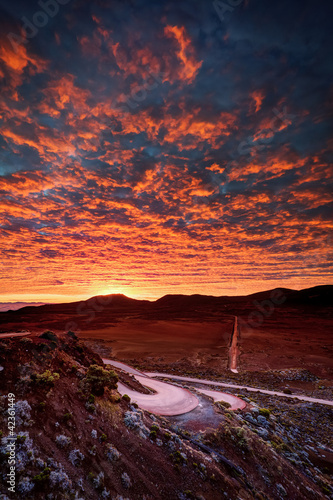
{"x": 235, "y": 403}
{"x": 20, "y": 334}
{"x": 233, "y": 386}
{"x": 168, "y": 399}
{"x": 122, "y": 366}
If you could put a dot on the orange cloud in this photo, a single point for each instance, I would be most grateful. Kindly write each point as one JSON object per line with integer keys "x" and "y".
{"x": 14, "y": 64}
{"x": 186, "y": 54}
{"x": 258, "y": 97}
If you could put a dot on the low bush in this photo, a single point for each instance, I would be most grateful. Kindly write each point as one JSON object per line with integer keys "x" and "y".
{"x": 97, "y": 378}
{"x": 91, "y": 476}
{"x": 22, "y": 412}
{"x": 264, "y": 412}
{"x": 48, "y": 335}
{"x": 125, "y": 479}
{"x": 223, "y": 404}
{"x": 153, "y": 435}
{"x": 25, "y": 340}
{"x": 103, "y": 438}
{"x": 243, "y": 441}
{"x": 91, "y": 408}
{"x": 67, "y": 416}
{"x": 76, "y": 457}
{"x": 60, "y": 480}
{"x": 62, "y": 440}
{"x": 24, "y": 486}
{"x": 178, "y": 458}
{"x": 167, "y": 436}
{"x": 41, "y": 479}
{"x": 41, "y": 406}
{"x": 91, "y": 399}
{"x": 112, "y": 453}
{"x": 98, "y": 481}
{"x": 47, "y": 378}
{"x": 72, "y": 335}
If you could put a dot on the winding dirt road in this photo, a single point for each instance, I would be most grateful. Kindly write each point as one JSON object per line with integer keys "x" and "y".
{"x": 234, "y": 386}
{"x": 233, "y": 351}
{"x": 168, "y": 399}
{"x": 235, "y": 403}
{"x": 171, "y": 400}
{"x": 181, "y": 400}
{"x": 20, "y": 334}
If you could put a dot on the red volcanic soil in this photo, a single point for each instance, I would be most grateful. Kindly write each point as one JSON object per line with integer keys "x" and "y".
{"x": 279, "y": 329}
{"x": 199, "y": 342}
{"x": 292, "y": 339}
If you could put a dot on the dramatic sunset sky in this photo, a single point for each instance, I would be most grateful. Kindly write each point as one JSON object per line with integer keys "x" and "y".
{"x": 153, "y": 147}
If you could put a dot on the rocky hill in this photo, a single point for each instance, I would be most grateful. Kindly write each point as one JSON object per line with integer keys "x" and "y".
{"x": 101, "y": 311}
{"x": 76, "y": 438}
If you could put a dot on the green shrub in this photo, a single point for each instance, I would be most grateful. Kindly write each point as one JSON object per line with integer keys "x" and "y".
{"x": 115, "y": 398}
{"x": 48, "y": 335}
{"x": 242, "y": 441}
{"x": 97, "y": 378}
{"x": 91, "y": 408}
{"x": 223, "y": 404}
{"x": 287, "y": 391}
{"x": 72, "y": 335}
{"x": 264, "y": 412}
{"x": 91, "y": 399}
{"x": 126, "y": 398}
{"x": 68, "y": 416}
{"x": 43, "y": 347}
{"x": 103, "y": 438}
{"x": 46, "y": 378}
{"x": 41, "y": 406}
{"x": 25, "y": 340}
{"x": 178, "y": 458}
{"x": 42, "y": 478}
{"x": 21, "y": 439}
{"x": 153, "y": 435}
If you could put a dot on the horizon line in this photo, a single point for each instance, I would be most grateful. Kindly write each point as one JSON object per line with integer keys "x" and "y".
{"x": 72, "y": 299}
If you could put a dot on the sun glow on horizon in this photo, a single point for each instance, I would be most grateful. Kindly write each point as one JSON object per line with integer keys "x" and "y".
{"x": 141, "y": 293}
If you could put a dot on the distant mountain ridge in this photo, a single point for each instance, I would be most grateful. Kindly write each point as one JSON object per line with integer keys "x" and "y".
{"x": 319, "y": 295}
{"x": 314, "y": 294}
{"x": 107, "y": 310}
{"x": 14, "y": 306}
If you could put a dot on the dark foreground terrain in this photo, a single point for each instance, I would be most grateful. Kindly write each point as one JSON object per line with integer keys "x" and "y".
{"x": 76, "y": 438}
